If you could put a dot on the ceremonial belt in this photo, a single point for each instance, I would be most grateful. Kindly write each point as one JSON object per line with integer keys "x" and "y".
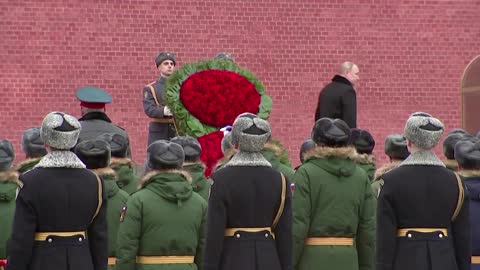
{"x": 404, "y": 231}
{"x": 475, "y": 259}
{"x": 163, "y": 120}
{"x": 43, "y": 236}
{"x": 231, "y": 231}
{"x": 164, "y": 259}
{"x": 112, "y": 260}
{"x": 329, "y": 241}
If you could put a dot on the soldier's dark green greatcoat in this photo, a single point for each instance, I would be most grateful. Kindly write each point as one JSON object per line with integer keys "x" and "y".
{"x": 164, "y": 218}
{"x": 272, "y": 153}
{"x": 422, "y": 193}
{"x": 200, "y": 184}
{"x": 126, "y": 178}
{"x": 8, "y": 189}
{"x": 333, "y": 198}
{"x": 116, "y": 200}
{"x": 367, "y": 163}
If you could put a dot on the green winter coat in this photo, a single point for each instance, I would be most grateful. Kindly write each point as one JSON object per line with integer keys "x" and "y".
{"x": 116, "y": 200}
{"x": 333, "y": 198}
{"x": 200, "y": 184}
{"x": 26, "y": 165}
{"x": 367, "y": 163}
{"x": 126, "y": 175}
{"x": 273, "y": 153}
{"x": 8, "y": 191}
{"x": 164, "y": 218}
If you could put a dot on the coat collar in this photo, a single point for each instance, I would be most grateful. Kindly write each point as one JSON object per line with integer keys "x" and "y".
{"x": 95, "y": 116}
{"x": 365, "y": 159}
{"x": 60, "y": 159}
{"x": 26, "y": 162}
{"x": 423, "y": 157}
{"x": 321, "y": 152}
{"x": 10, "y": 176}
{"x": 341, "y": 79}
{"x": 121, "y": 161}
{"x": 242, "y": 158}
{"x": 385, "y": 168}
{"x": 154, "y": 173}
{"x": 105, "y": 171}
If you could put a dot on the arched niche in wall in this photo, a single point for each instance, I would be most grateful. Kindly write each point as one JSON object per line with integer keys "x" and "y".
{"x": 470, "y": 87}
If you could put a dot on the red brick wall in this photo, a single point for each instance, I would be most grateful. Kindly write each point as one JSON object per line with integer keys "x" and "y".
{"x": 411, "y": 56}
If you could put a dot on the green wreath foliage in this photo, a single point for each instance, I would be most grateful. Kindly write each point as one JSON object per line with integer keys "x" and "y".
{"x": 187, "y": 124}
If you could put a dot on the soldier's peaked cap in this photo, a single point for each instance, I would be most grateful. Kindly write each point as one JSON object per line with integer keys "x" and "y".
{"x": 93, "y": 97}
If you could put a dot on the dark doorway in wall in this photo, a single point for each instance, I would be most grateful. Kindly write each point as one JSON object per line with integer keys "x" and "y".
{"x": 470, "y": 87}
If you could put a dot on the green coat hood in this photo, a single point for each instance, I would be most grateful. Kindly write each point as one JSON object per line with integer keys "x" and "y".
{"x": 8, "y": 186}
{"x": 337, "y": 161}
{"x": 172, "y": 185}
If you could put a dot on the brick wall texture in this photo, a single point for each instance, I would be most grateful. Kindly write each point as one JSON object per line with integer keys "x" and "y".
{"x": 411, "y": 55}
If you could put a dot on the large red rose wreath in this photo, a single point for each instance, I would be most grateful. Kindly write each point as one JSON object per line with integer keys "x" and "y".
{"x": 208, "y": 95}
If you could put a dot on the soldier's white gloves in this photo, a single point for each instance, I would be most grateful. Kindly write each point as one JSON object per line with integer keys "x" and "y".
{"x": 167, "y": 112}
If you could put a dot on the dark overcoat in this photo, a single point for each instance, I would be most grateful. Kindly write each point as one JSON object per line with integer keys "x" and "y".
{"x": 248, "y": 196}
{"x": 422, "y": 193}
{"x": 472, "y": 182}
{"x": 59, "y": 195}
{"x": 338, "y": 100}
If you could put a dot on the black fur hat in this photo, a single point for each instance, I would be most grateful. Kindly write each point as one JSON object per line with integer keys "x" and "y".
{"x": 95, "y": 154}
{"x": 467, "y": 154}
{"x": 331, "y": 133}
{"x": 362, "y": 140}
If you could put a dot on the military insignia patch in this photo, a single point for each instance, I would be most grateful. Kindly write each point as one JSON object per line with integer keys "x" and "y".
{"x": 122, "y": 214}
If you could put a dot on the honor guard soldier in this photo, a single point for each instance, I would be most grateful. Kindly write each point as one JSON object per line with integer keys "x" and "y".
{"x": 8, "y": 190}
{"x": 422, "y": 212}
{"x": 94, "y": 120}
{"x": 249, "y": 212}
{"x": 467, "y": 154}
{"x": 162, "y": 125}
{"x": 162, "y": 226}
{"x": 194, "y": 165}
{"x": 364, "y": 143}
{"x": 449, "y": 148}
{"x": 333, "y": 204}
{"x": 95, "y": 154}
{"x": 60, "y": 216}
{"x": 397, "y": 151}
{"x": 120, "y": 163}
{"x": 33, "y": 147}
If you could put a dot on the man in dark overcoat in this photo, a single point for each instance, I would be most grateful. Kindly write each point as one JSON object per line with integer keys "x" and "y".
{"x": 162, "y": 125}
{"x": 249, "y": 224}
{"x": 60, "y": 217}
{"x": 94, "y": 120}
{"x": 422, "y": 213}
{"x": 338, "y": 99}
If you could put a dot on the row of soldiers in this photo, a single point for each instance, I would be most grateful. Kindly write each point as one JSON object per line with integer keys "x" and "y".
{"x": 333, "y": 204}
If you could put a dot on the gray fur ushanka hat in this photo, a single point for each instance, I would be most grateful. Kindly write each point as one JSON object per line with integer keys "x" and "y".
{"x": 191, "y": 147}
{"x": 423, "y": 130}
{"x": 32, "y": 144}
{"x": 396, "y": 146}
{"x": 60, "y": 130}
{"x": 250, "y": 133}
{"x": 163, "y": 154}
{"x": 7, "y": 155}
